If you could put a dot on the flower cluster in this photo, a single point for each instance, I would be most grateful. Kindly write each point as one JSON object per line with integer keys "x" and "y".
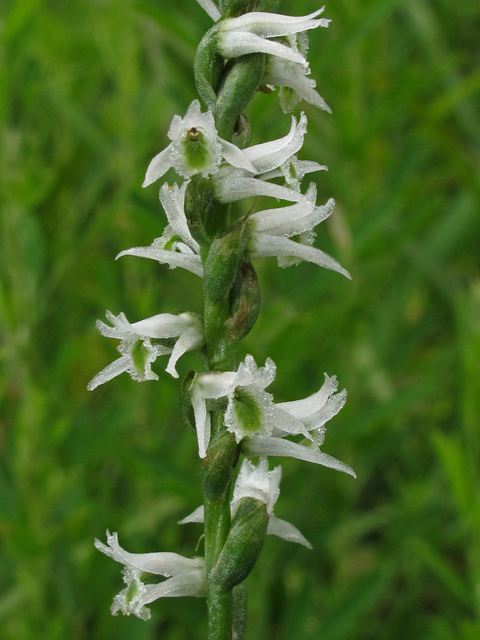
{"x": 286, "y": 233}
{"x": 228, "y": 402}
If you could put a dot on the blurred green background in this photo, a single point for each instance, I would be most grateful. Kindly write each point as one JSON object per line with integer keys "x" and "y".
{"x": 87, "y": 92}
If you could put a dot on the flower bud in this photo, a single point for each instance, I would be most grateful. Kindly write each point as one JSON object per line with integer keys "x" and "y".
{"x": 200, "y": 206}
{"x": 240, "y": 82}
{"x": 222, "y": 456}
{"x": 224, "y": 260}
{"x": 245, "y": 302}
{"x": 243, "y": 545}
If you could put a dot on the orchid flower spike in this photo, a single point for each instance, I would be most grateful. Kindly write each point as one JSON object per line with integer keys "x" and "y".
{"x": 176, "y": 247}
{"x": 251, "y": 33}
{"x": 259, "y": 483}
{"x": 137, "y": 350}
{"x": 185, "y": 577}
{"x": 195, "y": 148}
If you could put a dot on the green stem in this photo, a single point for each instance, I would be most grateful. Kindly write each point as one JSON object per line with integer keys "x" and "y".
{"x": 217, "y": 527}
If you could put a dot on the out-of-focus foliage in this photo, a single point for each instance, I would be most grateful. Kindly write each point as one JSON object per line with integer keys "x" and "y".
{"x": 87, "y": 91}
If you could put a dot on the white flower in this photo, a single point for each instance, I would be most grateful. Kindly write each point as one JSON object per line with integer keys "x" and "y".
{"x": 292, "y": 79}
{"x": 186, "y": 577}
{"x": 211, "y": 8}
{"x": 311, "y": 414}
{"x": 273, "y": 230}
{"x": 250, "y": 33}
{"x": 235, "y": 184}
{"x": 138, "y": 352}
{"x": 294, "y": 85}
{"x": 176, "y": 247}
{"x": 195, "y": 148}
{"x": 264, "y": 485}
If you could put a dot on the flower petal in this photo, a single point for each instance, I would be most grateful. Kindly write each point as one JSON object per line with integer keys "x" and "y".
{"x": 286, "y": 531}
{"x": 196, "y": 516}
{"x": 233, "y": 44}
{"x": 211, "y": 8}
{"x": 237, "y": 186}
{"x": 158, "y": 166}
{"x": 269, "y": 155}
{"x": 203, "y": 424}
{"x": 172, "y": 199}
{"x": 190, "y": 262}
{"x": 283, "y": 73}
{"x": 162, "y": 563}
{"x": 311, "y": 405}
{"x": 192, "y": 338}
{"x": 235, "y": 156}
{"x": 191, "y": 584}
{"x": 333, "y": 405}
{"x": 111, "y": 371}
{"x": 271, "y": 446}
{"x": 273, "y": 25}
{"x": 283, "y": 247}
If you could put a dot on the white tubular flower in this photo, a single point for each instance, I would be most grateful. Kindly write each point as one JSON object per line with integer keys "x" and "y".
{"x": 264, "y": 485}
{"x": 208, "y": 386}
{"x": 185, "y": 577}
{"x": 250, "y": 33}
{"x": 195, "y": 148}
{"x": 138, "y": 352}
{"x": 211, "y": 8}
{"x": 234, "y": 185}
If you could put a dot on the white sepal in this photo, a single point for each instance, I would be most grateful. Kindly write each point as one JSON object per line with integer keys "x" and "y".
{"x": 269, "y": 155}
{"x": 173, "y": 199}
{"x": 208, "y": 386}
{"x": 179, "y": 255}
{"x": 264, "y": 246}
{"x": 286, "y": 531}
{"x": 274, "y": 446}
{"x": 211, "y": 8}
{"x": 274, "y": 25}
{"x": 236, "y": 186}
